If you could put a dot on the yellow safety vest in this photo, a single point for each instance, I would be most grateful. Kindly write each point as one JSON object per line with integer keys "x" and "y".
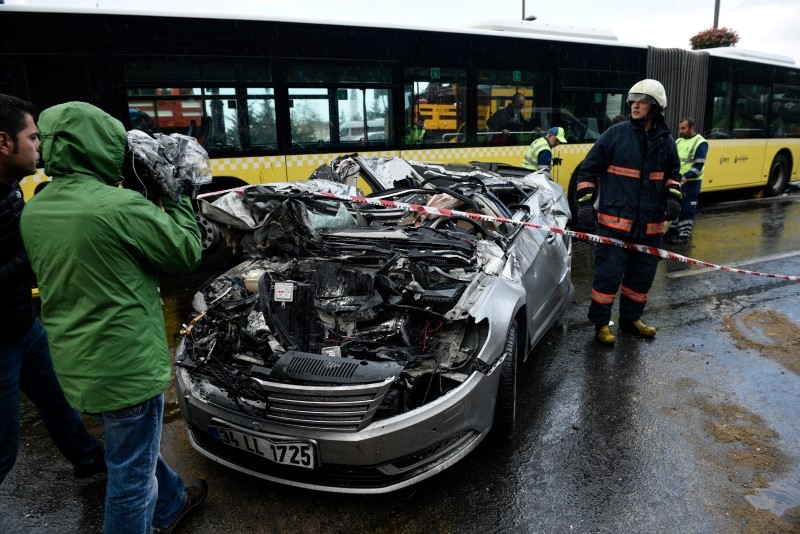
{"x": 531, "y": 159}
{"x": 415, "y": 136}
{"x": 686, "y": 150}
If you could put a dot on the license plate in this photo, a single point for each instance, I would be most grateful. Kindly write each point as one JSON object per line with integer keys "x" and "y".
{"x": 296, "y": 453}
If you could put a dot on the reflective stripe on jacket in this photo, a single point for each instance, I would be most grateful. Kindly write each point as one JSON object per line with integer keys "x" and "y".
{"x": 629, "y": 170}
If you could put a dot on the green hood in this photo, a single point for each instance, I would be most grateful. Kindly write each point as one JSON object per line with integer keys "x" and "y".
{"x": 81, "y": 139}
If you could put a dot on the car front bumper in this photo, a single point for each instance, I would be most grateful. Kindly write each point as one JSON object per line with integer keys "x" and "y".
{"x": 384, "y": 456}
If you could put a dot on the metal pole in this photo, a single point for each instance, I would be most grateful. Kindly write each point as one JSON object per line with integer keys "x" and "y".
{"x": 716, "y": 12}
{"x": 523, "y": 9}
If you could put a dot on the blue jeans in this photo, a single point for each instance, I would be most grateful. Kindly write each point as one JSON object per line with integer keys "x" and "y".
{"x": 142, "y": 492}
{"x": 26, "y": 365}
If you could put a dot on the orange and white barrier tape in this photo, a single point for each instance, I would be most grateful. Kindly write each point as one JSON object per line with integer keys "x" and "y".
{"x": 443, "y": 212}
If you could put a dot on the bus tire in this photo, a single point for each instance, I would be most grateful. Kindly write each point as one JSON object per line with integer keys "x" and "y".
{"x": 778, "y": 176}
{"x": 505, "y": 409}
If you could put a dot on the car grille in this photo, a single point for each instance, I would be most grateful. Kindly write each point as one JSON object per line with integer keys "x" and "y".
{"x": 339, "y": 408}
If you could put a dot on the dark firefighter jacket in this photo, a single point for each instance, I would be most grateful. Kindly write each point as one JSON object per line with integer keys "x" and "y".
{"x": 630, "y": 170}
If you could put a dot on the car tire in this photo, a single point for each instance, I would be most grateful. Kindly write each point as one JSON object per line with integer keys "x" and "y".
{"x": 505, "y": 410}
{"x": 216, "y": 252}
{"x": 778, "y": 176}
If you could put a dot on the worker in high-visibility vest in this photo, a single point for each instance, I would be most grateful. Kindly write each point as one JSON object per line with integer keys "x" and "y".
{"x": 692, "y": 150}
{"x": 416, "y": 135}
{"x": 539, "y": 156}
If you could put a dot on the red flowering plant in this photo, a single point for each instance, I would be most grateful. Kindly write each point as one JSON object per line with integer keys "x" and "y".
{"x": 714, "y": 38}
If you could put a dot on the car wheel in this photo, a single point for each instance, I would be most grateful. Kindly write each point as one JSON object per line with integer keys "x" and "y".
{"x": 505, "y": 410}
{"x": 778, "y": 176}
{"x": 216, "y": 252}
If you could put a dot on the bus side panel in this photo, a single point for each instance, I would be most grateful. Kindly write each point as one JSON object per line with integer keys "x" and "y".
{"x": 734, "y": 163}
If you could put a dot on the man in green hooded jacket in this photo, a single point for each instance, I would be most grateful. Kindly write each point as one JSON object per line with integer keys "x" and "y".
{"x": 96, "y": 250}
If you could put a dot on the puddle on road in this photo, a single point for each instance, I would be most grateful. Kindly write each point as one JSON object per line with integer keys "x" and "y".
{"x": 771, "y": 333}
{"x": 777, "y": 496}
{"x": 751, "y": 461}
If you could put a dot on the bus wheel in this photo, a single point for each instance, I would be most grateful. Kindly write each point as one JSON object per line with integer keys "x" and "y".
{"x": 778, "y": 176}
{"x": 216, "y": 252}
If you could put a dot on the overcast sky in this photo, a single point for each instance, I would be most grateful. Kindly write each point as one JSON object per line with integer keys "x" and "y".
{"x": 763, "y": 25}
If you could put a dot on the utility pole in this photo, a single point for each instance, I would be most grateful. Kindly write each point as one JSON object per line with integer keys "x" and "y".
{"x": 716, "y": 12}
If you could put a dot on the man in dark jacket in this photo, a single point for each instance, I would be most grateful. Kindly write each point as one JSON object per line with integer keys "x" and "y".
{"x": 631, "y": 180}
{"x": 507, "y": 120}
{"x": 24, "y": 351}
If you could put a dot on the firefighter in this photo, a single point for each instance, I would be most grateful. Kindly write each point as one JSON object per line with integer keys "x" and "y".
{"x": 692, "y": 151}
{"x": 629, "y": 184}
{"x": 539, "y": 156}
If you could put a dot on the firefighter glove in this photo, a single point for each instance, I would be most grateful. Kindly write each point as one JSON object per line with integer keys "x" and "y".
{"x": 673, "y": 208}
{"x": 673, "y": 202}
{"x": 585, "y": 196}
{"x": 586, "y": 216}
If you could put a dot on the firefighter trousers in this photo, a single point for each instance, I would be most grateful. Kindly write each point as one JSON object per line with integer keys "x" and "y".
{"x": 617, "y": 267}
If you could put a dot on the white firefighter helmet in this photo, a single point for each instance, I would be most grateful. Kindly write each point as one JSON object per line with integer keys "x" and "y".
{"x": 649, "y": 91}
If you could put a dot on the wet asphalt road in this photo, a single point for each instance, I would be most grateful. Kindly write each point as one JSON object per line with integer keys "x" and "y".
{"x": 697, "y": 430}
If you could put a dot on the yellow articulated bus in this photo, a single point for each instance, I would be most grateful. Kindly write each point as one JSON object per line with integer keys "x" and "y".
{"x": 272, "y": 100}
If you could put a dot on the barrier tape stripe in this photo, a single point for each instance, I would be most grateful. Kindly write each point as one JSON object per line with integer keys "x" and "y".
{"x": 444, "y": 212}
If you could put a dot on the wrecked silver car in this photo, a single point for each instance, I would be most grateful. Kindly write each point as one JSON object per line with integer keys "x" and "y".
{"x": 371, "y": 342}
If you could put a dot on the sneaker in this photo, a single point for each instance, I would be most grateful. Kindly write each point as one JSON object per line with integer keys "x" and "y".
{"x": 637, "y": 327}
{"x": 195, "y": 495}
{"x": 97, "y": 467}
{"x": 604, "y": 335}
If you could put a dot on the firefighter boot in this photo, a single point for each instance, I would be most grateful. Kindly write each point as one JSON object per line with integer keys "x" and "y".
{"x": 604, "y": 335}
{"x": 638, "y": 327}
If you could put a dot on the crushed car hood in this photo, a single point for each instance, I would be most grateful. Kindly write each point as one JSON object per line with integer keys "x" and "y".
{"x": 340, "y": 291}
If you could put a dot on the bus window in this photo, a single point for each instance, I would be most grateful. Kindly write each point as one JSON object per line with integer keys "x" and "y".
{"x": 721, "y": 109}
{"x": 785, "y": 109}
{"x": 261, "y": 118}
{"x": 309, "y": 114}
{"x": 750, "y": 118}
{"x": 222, "y": 128}
{"x": 363, "y": 115}
{"x": 165, "y": 110}
{"x": 500, "y": 93}
{"x": 592, "y": 99}
{"x": 438, "y": 96}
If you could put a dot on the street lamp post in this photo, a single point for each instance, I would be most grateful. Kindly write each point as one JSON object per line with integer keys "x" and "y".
{"x": 531, "y": 17}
